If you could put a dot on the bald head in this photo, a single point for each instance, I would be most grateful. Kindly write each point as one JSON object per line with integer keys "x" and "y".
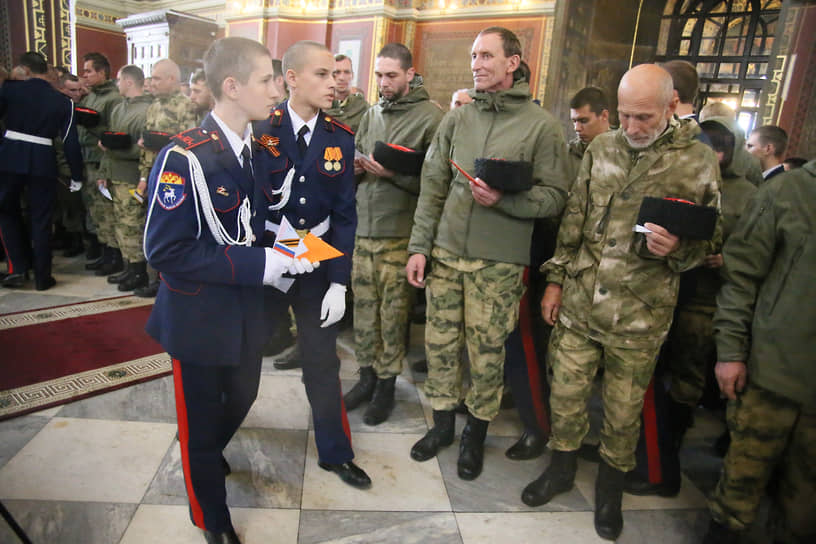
{"x": 165, "y": 78}
{"x": 646, "y": 102}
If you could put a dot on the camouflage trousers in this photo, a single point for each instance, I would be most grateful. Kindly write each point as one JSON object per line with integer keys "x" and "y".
{"x": 477, "y": 308}
{"x": 129, "y": 220}
{"x": 382, "y": 303}
{"x": 768, "y": 432}
{"x": 99, "y": 208}
{"x": 690, "y": 353}
{"x": 575, "y": 359}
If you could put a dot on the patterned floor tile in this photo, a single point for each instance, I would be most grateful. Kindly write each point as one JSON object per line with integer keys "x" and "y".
{"x": 326, "y": 527}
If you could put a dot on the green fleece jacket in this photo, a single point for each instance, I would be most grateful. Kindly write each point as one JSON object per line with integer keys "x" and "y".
{"x": 102, "y": 98}
{"x": 127, "y": 116}
{"x": 349, "y": 111}
{"x": 501, "y": 125}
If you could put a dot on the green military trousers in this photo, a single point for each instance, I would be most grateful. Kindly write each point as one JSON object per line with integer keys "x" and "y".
{"x": 99, "y": 207}
{"x": 129, "y": 221}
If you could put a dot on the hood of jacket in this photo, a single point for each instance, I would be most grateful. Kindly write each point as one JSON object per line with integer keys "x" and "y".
{"x": 416, "y": 93}
{"x": 105, "y": 87}
{"x": 505, "y": 100}
{"x": 740, "y": 161}
{"x": 679, "y": 133}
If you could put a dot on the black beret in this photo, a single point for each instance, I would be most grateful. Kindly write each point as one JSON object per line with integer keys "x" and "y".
{"x": 155, "y": 140}
{"x": 398, "y": 158}
{"x": 680, "y": 217}
{"x": 507, "y": 176}
{"x": 115, "y": 140}
{"x": 86, "y": 117}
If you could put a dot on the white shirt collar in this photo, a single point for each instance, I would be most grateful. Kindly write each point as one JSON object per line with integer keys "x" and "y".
{"x": 297, "y": 122}
{"x": 769, "y": 170}
{"x": 236, "y": 142}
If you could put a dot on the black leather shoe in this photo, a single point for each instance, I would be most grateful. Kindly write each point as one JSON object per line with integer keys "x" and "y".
{"x": 16, "y": 280}
{"x": 349, "y": 473}
{"x": 45, "y": 284}
{"x": 226, "y": 537}
{"x": 136, "y": 278}
{"x": 117, "y": 278}
{"x": 634, "y": 484}
{"x": 558, "y": 478}
{"x": 289, "y": 361}
{"x": 382, "y": 402}
{"x": 440, "y": 436}
{"x": 471, "y": 448}
{"x": 529, "y": 446}
{"x": 363, "y": 390}
{"x": 150, "y": 291}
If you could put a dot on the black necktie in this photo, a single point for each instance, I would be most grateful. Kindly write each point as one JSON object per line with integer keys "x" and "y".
{"x": 247, "y": 159}
{"x": 301, "y": 140}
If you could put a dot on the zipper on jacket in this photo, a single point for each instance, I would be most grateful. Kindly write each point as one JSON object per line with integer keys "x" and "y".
{"x": 473, "y": 202}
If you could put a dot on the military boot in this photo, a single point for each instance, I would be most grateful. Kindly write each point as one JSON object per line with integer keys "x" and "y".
{"x": 440, "y": 436}
{"x": 114, "y": 265}
{"x": 471, "y": 448}
{"x": 558, "y": 478}
{"x": 382, "y": 401}
{"x": 363, "y": 390}
{"x": 608, "y": 496}
{"x": 116, "y": 278}
{"x": 103, "y": 256}
{"x": 136, "y": 278}
{"x": 94, "y": 249}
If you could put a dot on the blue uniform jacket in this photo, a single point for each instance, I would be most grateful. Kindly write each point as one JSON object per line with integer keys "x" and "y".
{"x": 323, "y": 186}
{"x": 209, "y": 308}
{"x": 35, "y": 108}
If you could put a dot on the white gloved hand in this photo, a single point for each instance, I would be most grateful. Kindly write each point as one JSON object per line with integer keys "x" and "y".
{"x": 302, "y": 266}
{"x": 334, "y": 305}
{"x": 277, "y": 265}
{"x": 75, "y": 186}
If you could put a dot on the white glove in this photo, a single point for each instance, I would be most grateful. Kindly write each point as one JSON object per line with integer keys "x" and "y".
{"x": 301, "y": 266}
{"x": 334, "y": 305}
{"x": 277, "y": 265}
{"x": 75, "y": 186}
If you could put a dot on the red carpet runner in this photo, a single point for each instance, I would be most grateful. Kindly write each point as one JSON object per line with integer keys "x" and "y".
{"x": 62, "y": 354}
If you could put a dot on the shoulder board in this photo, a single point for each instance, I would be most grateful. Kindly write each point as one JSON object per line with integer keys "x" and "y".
{"x": 196, "y": 137}
{"x": 276, "y": 117}
{"x": 332, "y": 121}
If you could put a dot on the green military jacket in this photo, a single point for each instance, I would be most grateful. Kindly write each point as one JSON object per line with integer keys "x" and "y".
{"x": 614, "y": 289}
{"x": 349, "y": 111}
{"x": 385, "y": 206}
{"x": 577, "y": 148}
{"x": 766, "y": 314}
{"x": 102, "y": 98}
{"x": 174, "y": 113}
{"x": 503, "y": 124}
{"x": 128, "y": 116}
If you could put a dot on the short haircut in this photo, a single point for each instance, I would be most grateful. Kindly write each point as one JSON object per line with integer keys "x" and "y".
{"x": 66, "y": 76}
{"x": 341, "y": 57}
{"x": 199, "y": 76}
{"x": 99, "y": 62}
{"x": 594, "y": 97}
{"x": 510, "y": 42}
{"x": 397, "y": 51}
{"x": 685, "y": 79}
{"x": 722, "y": 139}
{"x": 34, "y": 61}
{"x": 774, "y": 135}
{"x": 277, "y": 68}
{"x": 134, "y": 73}
{"x": 796, "y": 162}
{"x": 295, "y": 57}
{"x": 231, "y": 57}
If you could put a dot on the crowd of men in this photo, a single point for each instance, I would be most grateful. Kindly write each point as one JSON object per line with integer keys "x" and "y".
{"x": 540, "y": 271}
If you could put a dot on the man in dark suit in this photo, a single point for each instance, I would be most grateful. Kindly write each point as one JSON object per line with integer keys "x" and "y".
{"x": 313, "y": 177}
{"x": 768, "y": 144}
{"x": 34, "y": 114}
{"x": 199, "y": 234}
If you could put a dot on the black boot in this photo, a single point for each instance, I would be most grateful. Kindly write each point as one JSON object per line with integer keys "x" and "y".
{"x": 558, "y": 478}
{"x": 75, "y": 245}
{"x": 471, "y": 448}
{"x": 529, "y": 446}
{"x": 94, "y": 249}
{"x": 103, "y": 254}
{"x": 115, "y": 265}
{"x": 382, "y": 401}
{"x": 117, "y": 278}
{"x": 721, "y": 534}
{"x": 150, "y": 291}
{"x": 363, "y": 390}
{"x": 440, "y": 436}
{"x": 608, "y": 496}
{"x": 137, "y": 277}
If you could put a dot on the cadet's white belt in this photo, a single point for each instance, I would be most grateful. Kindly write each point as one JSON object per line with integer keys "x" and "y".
{"x": 30, "y": 138}
{"x": 318, "y": 230}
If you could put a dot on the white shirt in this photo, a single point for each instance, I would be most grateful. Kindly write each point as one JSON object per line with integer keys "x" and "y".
{"x": 767, "y": 172}
{"x": 297, "y": 122}
{"x": 235, "y": 141}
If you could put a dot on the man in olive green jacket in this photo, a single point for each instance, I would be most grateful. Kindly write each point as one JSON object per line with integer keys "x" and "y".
{"x": 347, "y": 107}
{"x": 386, "y": 201}
{"x": 765, "y": 330}
{"x": 477, "y": 239}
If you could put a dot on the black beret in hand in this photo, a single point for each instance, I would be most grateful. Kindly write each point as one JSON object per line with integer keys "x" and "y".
{"x": 86, "y": 117}
{"x": 506, "y": 176}
{"x": 115, "y": 140}
{"x": 680, "y": 217}
{"x": 399, "y": 159}
{"x": 155, "y": 140}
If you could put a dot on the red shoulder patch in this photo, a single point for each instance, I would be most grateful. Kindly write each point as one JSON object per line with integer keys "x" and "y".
{"x": 276, "y": 117}
{"x": 337, "y": 123}
{"x": 196, "y": 137}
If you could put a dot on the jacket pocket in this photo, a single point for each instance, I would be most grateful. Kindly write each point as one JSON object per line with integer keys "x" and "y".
{"x": 181, "y": 287}
{"x": 779, "y": 288}
{"x": 597, "y": 216}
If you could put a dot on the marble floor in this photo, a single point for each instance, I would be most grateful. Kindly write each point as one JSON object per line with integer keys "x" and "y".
{"x": 107, "y": 469}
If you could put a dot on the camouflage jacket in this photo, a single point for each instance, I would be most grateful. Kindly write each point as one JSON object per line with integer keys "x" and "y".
{"x": 766, "y": 314}
{"x": 577, "y": 148}
{"x": 614, "y": 289}
{"x": 349, "y": 111}
{"x": 128, "y": 116}
{"x": 175, "y": 113}
{"x": 102, "y": 98}
{"x": 506, "y": 125}
{"x": 385, "y": 206}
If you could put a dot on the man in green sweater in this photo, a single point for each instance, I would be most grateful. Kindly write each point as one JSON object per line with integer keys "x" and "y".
{"x": 477, "y": 239}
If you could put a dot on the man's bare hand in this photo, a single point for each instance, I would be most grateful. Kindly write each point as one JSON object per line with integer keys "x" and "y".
{"x": 373, "y": 167}
{"x": 660, "y": 241}
{"x": 102, "y": 183}
{"x": 140, "y": 143}
{"x": 102, "y": 147}
{"x": 713, "y": 261}
{"x": 415, "y": 270}
{"x": 551, "y": 303}
{"x": 484, "y": 194}
{"x": 731, "y": 377}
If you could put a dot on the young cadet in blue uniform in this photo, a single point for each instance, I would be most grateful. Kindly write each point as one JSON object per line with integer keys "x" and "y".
{"x": 199, "y": 235}
{"x": 34, "y": 114}
{"x": 313, "y": 177}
